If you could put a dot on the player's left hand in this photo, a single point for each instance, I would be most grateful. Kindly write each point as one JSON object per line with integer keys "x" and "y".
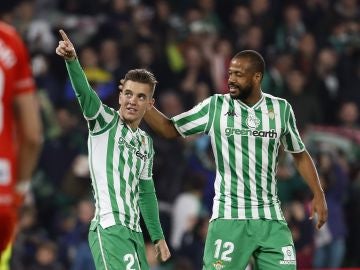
{"x": 318, "y": 206}
{"x": 162, "y": 251}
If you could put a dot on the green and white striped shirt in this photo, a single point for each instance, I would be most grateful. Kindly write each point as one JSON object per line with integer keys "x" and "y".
{"x": 245, "y": 142}
{"x": 119, "y": 158}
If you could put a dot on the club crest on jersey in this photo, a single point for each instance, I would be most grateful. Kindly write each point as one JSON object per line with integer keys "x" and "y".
{"x": 218, "y": 265}
{"x": 271, "y": 114}
{"x": 252, "y": 122}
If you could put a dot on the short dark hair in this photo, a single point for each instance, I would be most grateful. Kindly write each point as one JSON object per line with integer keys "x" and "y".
{"x": 141, "y": 76}
{"x": 256, "y": 60}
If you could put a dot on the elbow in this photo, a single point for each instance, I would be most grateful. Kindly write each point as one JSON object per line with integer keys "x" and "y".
{"x": 33, "y": 141}
{"x": 36, "y": 144}
{"x": 167, "y": 131}
{"x": 170, "y": 135}
{"x": 171, "y": 132}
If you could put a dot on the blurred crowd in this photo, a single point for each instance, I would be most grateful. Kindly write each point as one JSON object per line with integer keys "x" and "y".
{"x": 312, "y": 52}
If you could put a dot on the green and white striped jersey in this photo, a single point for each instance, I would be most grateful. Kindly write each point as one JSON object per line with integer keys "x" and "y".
{"x": 118, "y": 157}
{"x": 245, "y": 142}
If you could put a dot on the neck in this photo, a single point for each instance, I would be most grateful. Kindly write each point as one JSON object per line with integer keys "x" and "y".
{"x": 253, "y": 99}
{"x": 133, "y": 125}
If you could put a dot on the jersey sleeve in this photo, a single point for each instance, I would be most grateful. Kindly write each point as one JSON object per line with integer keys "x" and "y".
{"x": 291, "y": 139}
{"x": 98, "y": 115}
{"x": 149, "y": 209}
{"x": 196, "y": 120}
{"x": 147, "y": 197}
{"x": 146, "y": 173}
{"x": 24, "y": 81}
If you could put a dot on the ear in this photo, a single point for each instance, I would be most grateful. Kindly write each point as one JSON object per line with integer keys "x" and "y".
{"x": 120, "y": 97}
{"x": 258, "y": 76}
{"x": 151, "y": 103}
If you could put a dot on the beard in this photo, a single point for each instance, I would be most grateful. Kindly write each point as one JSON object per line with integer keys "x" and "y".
{"x": 243, "y": 92}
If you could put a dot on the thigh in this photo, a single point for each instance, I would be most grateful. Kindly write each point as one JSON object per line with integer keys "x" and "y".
{"x": 7, "y": 227}
{"x": 228, "y": 245}
{"x": 113, "y": 248}
{"x": 140, "y": 250}
{"x": 276, "y": 251}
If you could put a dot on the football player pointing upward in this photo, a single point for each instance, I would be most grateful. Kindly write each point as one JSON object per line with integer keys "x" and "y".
{"x": 121, "y": 157}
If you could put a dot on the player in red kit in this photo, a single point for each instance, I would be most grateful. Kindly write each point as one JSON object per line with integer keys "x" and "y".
{"x": 20, "y": 126}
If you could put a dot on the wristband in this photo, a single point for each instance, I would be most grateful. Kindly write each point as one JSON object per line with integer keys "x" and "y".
{"x": 23, "y": 186}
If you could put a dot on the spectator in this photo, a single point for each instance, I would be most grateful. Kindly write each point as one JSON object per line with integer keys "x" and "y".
{"x": 46, "y": 257}
{"x": 330, "y": 240}
{"x": 187, "y": 209}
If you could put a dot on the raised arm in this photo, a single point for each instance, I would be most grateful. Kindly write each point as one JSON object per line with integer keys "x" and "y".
{"x": 88, "y": 99}
{"x": 307, "y": 170}
{"x": 161, "y": 124}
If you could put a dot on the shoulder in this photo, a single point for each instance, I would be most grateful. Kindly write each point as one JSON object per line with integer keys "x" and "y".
{"x": 12, "y": 46}
{"x": 272, "y": 98}
{"x": 110, "y": 110}
{"x": 207, "y": 101}
{"x": 9, "y": 33}
{"x": 7, "y": 29}
{"x": 220, "y": 98}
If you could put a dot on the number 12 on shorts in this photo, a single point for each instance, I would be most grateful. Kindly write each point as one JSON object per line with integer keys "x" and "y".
{"x": 223, "y": 250}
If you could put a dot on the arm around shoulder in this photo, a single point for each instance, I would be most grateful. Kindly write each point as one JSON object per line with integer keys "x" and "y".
{"x": 161, "y": 124}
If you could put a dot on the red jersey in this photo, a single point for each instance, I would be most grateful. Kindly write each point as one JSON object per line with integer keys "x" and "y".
{"x": 15, "y": 79}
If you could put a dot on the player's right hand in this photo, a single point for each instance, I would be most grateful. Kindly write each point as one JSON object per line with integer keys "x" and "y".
{"x": 65, "y": 48}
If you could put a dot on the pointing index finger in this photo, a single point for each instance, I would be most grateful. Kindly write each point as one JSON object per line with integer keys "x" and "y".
{"x": 64, "y": 36}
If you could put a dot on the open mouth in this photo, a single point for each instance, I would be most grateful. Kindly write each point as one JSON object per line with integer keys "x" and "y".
{"x": 131, "y": 110}
{"x": 233, "y": 88}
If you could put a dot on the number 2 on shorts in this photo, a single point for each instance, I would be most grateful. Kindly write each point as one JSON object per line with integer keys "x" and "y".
{"x": 223, "y": 250}
{"x": 130, "y": 260}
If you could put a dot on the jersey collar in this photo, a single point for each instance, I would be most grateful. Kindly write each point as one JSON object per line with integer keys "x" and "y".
{"x": 253, "y": 107}
{"x": 133, "y": 132}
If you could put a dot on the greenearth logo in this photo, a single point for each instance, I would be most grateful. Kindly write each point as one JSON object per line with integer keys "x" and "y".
{"x": 132, "y": 149}
{"x": 230, "y": 131}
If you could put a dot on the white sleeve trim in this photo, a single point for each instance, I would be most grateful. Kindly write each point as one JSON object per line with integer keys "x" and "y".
{"x": 295, "y": 151}
{"x": 96, "y": 114}
{"x": 178, "y": 130}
